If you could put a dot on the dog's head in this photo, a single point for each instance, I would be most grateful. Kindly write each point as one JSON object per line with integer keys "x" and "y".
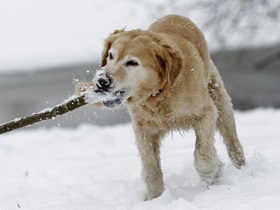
{"x": 138, "y": 63}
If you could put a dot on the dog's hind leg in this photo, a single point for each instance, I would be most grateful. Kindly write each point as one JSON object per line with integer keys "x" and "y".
{"x": 207, "y": 162}
{"x": 226, "y": 122}
{"x": 148, "y": 144}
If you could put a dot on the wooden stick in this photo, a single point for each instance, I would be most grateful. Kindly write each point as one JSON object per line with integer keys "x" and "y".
{"x": 71, "y": 104}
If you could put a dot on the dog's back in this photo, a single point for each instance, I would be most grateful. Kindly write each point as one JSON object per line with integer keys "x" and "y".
{"x": 175, "y": 24}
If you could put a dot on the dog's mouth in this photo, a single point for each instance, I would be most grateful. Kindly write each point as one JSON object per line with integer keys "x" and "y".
{"x": 107, "y": 88}
{"x": 115, "y": 100}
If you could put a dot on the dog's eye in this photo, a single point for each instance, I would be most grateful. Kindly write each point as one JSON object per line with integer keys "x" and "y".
{"x": 111, "y": 56}
{"x": 131, "y": 63}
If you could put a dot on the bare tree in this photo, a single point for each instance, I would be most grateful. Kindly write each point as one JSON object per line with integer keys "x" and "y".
{"x": 221, "y": 19}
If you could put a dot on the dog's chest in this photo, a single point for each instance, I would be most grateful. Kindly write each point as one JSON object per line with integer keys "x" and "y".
{"x": 162, "y": 116}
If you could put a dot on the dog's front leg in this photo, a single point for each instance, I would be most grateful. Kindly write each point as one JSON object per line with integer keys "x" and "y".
{"x": 149, "y": 149}
{"x": 207, "y": 163}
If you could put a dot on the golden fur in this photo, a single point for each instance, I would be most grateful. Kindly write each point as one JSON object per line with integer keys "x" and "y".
{"x": 172, "y": 50}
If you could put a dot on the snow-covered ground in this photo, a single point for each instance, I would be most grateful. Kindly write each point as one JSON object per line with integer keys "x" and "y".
{"x": 98, "y": 168}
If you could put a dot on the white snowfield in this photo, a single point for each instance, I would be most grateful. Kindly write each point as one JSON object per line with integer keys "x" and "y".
{"x": 98, "y": 168}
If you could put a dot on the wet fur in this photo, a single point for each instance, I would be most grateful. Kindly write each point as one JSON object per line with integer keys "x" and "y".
{"x": 173, "y": 49}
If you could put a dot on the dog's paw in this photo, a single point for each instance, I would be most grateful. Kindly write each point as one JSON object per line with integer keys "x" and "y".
{"x": 82, "y": 87}
{"x": 237, "y": 158}
{"x": 209, "y": 180}
{"x": 211, "y": 173}
{"x": 154, "y": 193}
{"x": 152, "y": 196}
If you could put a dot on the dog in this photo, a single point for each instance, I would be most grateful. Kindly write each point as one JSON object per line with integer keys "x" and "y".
{"x": 169, "y": 83}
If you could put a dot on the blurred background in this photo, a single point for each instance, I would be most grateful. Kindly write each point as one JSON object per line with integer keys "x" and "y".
{"x": 48, "y": 46}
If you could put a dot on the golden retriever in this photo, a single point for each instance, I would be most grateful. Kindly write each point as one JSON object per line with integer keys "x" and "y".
{"x": 166, "y": 79}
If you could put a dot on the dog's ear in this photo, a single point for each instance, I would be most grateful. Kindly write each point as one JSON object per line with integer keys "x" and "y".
{"x": 169, "y": 62}
{"x": 107, "y": 45}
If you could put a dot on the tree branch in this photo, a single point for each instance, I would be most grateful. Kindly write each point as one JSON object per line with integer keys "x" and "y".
{"x": 71, "y": 104}
{"x": 266, "y": 61}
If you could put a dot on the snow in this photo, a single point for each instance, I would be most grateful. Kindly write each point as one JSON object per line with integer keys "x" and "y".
{"x": 98, "y": 168}
{"x": 100, "y": 74}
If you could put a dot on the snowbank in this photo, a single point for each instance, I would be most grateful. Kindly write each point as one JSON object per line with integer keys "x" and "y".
{"x": 98, "y": 168}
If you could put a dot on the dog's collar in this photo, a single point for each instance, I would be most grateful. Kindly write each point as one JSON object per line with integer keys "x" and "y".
{"x": 159, "y": 91}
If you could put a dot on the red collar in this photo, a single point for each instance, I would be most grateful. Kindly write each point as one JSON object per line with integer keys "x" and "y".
{"x": 159, "y": 91}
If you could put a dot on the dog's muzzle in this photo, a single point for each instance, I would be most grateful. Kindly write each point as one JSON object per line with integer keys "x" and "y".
{"x": 116, "y": 99}
{"x": 106, "y": 86}
{"x": 103, "y": 82}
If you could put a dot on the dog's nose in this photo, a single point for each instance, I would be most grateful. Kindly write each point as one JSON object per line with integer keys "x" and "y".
{"x": 104, "y": 83}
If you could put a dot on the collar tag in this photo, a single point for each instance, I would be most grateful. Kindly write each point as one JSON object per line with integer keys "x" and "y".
{"x": 159, "y": 91}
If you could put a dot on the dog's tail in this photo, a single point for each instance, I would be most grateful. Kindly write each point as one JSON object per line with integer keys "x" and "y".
{"x": 225, "y": 122}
